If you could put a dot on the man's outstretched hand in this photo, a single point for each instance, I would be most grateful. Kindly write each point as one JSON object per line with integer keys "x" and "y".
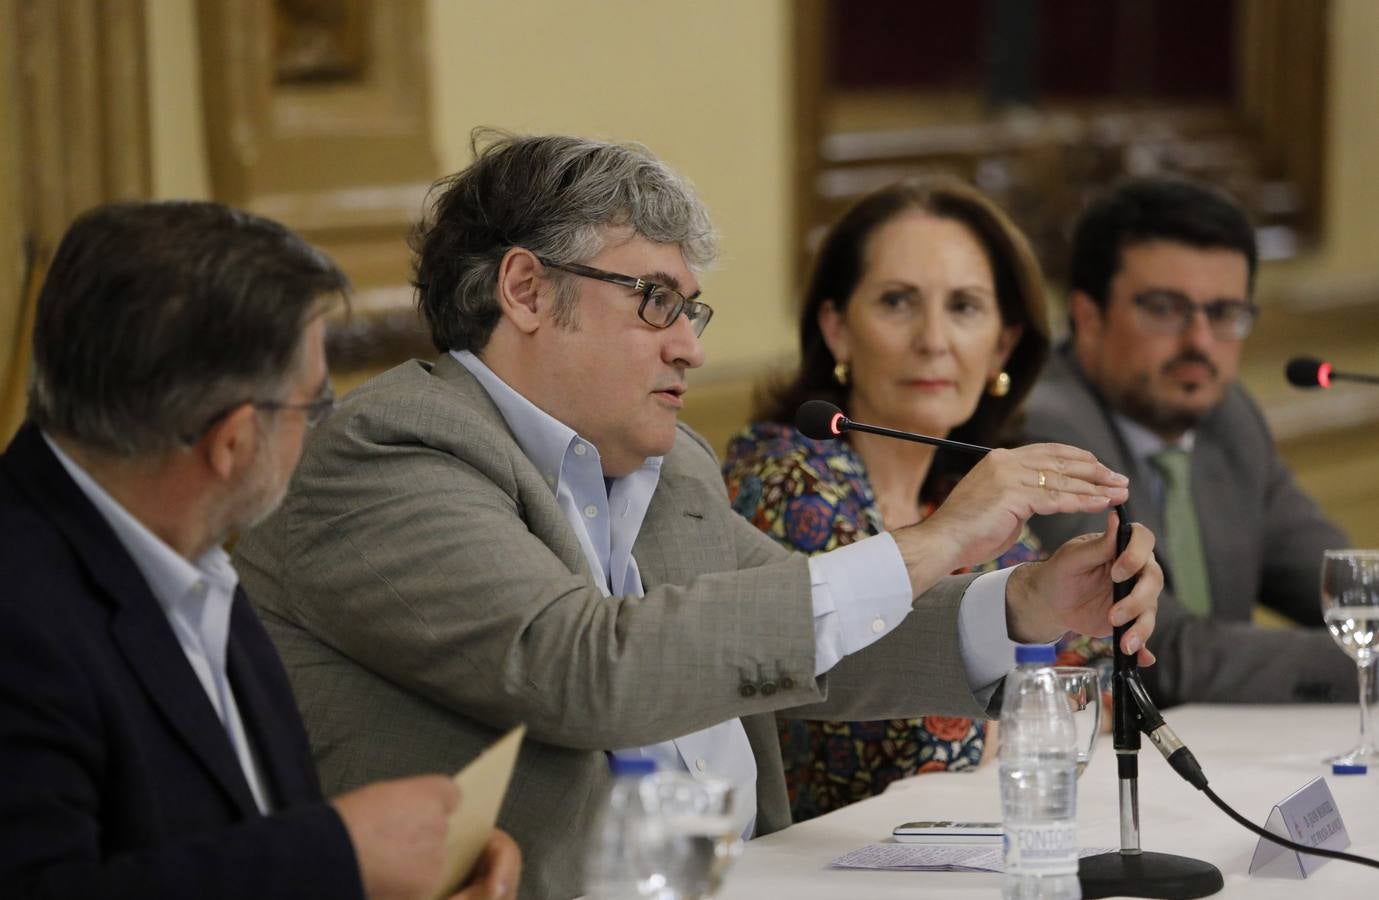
{"x": 1071, "y": 591}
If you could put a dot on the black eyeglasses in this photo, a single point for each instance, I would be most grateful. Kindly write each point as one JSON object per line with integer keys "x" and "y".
{"x": 660, "y": 306}
{"x": 1169, "y": 312}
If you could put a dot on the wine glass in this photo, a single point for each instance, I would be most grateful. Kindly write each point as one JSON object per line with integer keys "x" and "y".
{"x": 1082, "y": 685}
{"x": 703, "y": 833}
{"x": 1350, "y": 606}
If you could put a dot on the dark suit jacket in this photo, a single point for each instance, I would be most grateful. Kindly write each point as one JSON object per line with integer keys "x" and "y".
{"x": 1263, "y": 538}
{"x": 426, "y": 593}
{"x": 116, "y": 776}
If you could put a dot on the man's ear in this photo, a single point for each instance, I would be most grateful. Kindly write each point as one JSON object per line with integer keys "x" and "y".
{"x": 834, "y": 328}
{"x": 229, "y": 446}
{"x": 1087, "y": 316}
{"x": 522, "y": 283}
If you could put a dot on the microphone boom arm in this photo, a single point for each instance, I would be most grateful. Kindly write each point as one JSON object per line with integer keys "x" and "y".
{"x": 846, "y": 424}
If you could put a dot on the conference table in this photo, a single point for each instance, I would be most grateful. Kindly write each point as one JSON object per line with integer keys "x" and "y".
{"x": 1253, "y": 756}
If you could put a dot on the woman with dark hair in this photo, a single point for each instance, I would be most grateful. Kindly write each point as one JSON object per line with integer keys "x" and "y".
{"x": 925, "y": 313}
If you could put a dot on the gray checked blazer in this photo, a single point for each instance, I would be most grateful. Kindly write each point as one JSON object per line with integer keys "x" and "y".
{"x": 426, "y": 594}
{"x": 1263, "y": 538}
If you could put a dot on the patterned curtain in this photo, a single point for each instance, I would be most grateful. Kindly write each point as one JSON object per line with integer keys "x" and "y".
{"x": 74, "y": 111}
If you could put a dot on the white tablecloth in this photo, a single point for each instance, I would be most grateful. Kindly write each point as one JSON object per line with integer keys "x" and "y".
{"x": 1254, "y": 756}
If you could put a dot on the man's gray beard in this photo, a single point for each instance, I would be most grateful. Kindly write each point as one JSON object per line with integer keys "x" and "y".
{"x": 251, "y": 503}
{"x": 258, "y": 517}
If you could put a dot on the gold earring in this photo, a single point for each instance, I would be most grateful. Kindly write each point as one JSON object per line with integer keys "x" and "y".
{"x": 840, "y": 373}
{"x": 1000, "y": 385}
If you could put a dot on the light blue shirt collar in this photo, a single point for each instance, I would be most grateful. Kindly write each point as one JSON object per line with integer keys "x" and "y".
{"x": 197, "y": 598}
{"x": 542, "y": 437}
{"x": 606, "y": 514}
{"x": 1144, "y": 443}
{"x": 606, "y": 517}
{"x": 170, "y": 576}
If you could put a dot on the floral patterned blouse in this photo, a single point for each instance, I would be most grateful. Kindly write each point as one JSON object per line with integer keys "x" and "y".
{"x": 814, "y": 496}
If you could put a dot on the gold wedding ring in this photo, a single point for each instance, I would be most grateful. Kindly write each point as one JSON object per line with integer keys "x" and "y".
{"x": 1042, "y": 479}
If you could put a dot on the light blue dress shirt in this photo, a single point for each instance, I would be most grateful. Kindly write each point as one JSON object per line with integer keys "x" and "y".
{"x": 196, "y": 597}
{"x": 1144, "y": 444}
{"x": 860, "y": 592}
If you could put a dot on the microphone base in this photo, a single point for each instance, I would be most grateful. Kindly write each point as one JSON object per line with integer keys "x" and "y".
{"x": 1160, "y": 875}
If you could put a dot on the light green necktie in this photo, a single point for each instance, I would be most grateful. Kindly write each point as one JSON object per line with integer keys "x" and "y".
{"x": 1183, "y": 541}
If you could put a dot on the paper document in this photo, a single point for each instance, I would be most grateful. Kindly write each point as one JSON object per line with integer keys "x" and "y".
{"x": 482, "y": 785}
{"x": 931, "y": 857}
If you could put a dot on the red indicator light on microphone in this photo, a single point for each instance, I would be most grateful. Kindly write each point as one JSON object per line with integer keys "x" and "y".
{"x": 835, "y": 424}
{"x": 1324, "y": 374}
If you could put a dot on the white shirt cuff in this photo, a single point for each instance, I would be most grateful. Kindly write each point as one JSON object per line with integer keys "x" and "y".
{"x": 988, "y": 653}
{"x": 861, "y": 592}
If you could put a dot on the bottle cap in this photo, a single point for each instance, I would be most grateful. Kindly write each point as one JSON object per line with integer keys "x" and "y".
{"x": 1034, "y": 653}
{"x": 631, "y": 765}
{"x": 1349, "y": 769}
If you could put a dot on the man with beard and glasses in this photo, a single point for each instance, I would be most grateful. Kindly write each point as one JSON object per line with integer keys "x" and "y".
{"x": 1160, "y": 305}
{"x": 149, "y": 743}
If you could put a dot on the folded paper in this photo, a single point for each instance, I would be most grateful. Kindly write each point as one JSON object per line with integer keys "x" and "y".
{"x": 482, "y": 785}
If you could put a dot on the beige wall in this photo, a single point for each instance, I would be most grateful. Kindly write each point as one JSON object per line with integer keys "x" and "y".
{"x": 703, "y": 84}
{"x": 1352, "y": 219}
{"x": 1349, "y": 252}
{"x": 177, "y": 143}
{"x": 707, "y": 85}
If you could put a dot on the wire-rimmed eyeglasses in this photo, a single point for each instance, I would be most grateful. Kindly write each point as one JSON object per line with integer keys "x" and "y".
{"x": 1169, "y": 312}
{"x": 660, "y": 305}
{"x": 313, "y": 411}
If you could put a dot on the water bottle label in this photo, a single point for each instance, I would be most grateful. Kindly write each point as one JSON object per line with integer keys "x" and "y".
{"x": 1041, "y": 848}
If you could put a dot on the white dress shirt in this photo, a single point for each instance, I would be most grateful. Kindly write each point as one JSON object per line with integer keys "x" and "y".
{"x": 860, "y": 592}
{"x": 196, "y": 597}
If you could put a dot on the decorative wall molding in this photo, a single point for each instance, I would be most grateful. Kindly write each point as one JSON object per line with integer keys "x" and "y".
{"x": 317, "y": 115}
{"x": 319, "y": 142}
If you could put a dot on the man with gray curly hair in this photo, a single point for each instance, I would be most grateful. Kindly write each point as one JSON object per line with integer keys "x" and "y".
{"x": 522, "y": 531}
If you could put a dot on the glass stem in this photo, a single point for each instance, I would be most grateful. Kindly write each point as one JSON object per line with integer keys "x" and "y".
{"x": 1366, "y": 703}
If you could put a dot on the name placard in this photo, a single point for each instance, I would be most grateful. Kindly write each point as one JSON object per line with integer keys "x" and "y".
{"x": 1308, "y": 816}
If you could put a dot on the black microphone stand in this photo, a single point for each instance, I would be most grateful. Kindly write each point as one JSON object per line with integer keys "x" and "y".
{"x": 1131, "y": 872}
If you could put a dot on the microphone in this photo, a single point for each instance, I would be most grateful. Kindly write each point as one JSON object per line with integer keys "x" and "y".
{"x": 1310, "y": 372}
{"x": 822, "y": 421}
{"x": 1130, "y": 870}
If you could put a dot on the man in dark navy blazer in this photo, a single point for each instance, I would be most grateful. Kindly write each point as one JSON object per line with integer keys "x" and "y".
{"x": 149, "y": 744}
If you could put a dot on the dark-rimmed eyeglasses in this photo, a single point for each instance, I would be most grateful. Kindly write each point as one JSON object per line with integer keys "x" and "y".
{"x": 660, "y": 305}
{"x": 1169, "y": 312}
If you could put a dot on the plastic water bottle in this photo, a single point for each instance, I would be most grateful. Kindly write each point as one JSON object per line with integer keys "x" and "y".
{"x": 628, "y": 849}
{"x": 1038, "y": 782}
